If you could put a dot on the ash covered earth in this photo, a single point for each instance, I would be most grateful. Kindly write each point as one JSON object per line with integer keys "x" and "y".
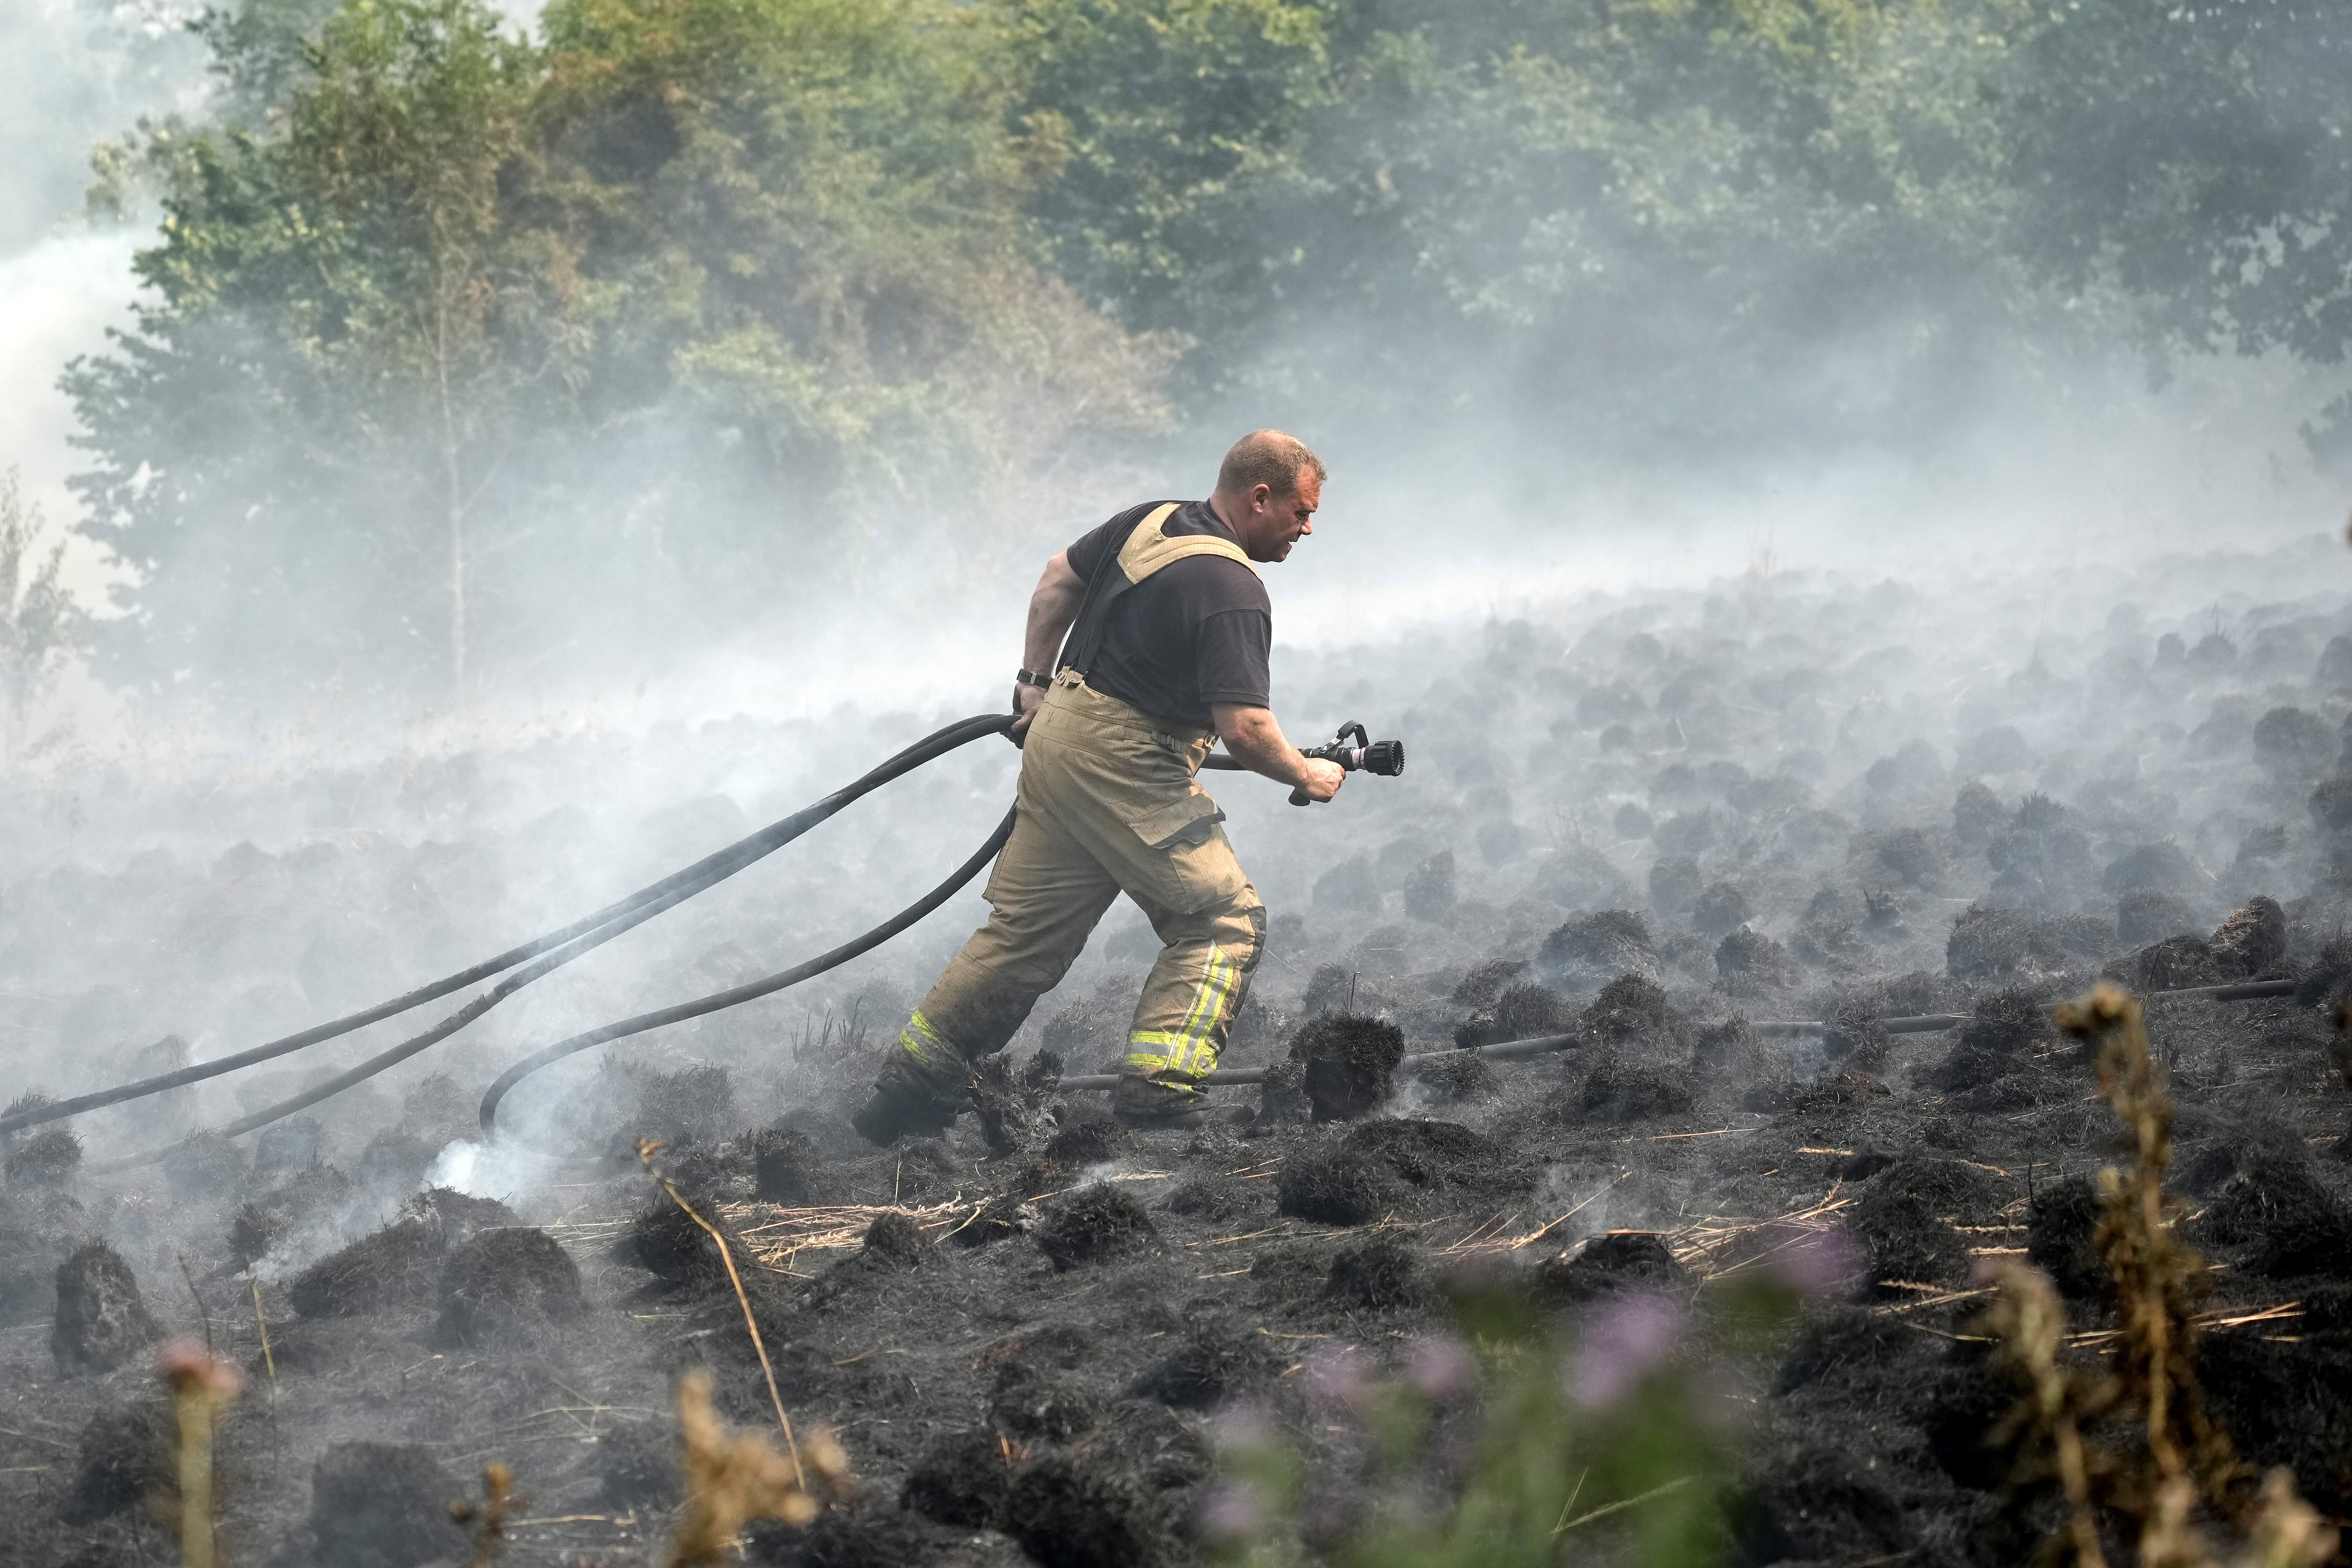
{"x": 1650, "y": 821}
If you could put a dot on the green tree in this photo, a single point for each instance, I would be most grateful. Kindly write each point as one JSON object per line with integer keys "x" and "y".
{"x": 2195, "y": 160}
{"x": 808, "y": 225}
{"x": 530, "y": 351}
{"x": 344, "y": 345}
{"x": 1628, "y": 216}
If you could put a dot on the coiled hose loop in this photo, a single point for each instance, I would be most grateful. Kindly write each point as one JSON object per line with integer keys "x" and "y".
{"x": 544, "y": 955}
{"x": 751, "y": 990}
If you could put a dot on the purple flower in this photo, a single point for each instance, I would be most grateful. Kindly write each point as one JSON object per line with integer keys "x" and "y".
{"x": 1439, "y": 1369}
{"x": 1231, "y": 1513}
{"x": 1823, "y": 1266}
{"x": 1339, "y": 1376}
{"x": 1628, "y": 1335}
{"x": 1244, "y": 1424}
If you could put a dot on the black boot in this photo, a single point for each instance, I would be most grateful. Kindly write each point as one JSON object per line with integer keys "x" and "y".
{"x": 904, "y": 1101}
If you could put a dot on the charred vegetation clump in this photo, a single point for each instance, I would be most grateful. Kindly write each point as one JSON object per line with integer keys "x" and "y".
{"x": 1395, "y": 1166}
{"x": 787, "y": 1168}
{"x": 123, "y": 1457}
{"x": 102, "y": 1321}
{"x": 1617, "y": 1090}
{"x": 1211, "y": 1364}
{"x": 1614, "y": 1261}
{"x": 45, "y": 1159}
{"x": 1384, "y": 1274}
{"x": 398, "y": 1265}
{"x": 1455, "y": 1077}
{"x": 1519, "y": 1012}
{"x": 1098, "y": 1223}
{"x": 2062, "y": 1235}
{"x": 1016, "y": 1113}
{"x": 381, "y": 1505}
{"x": 2277, "y": 1219}
{"x": 1632, "y": 1014}
{"x": 506, "y": 1287}
{"x": 1590, "y": 951}
{"x": 2007, "y": 1056}
{"x": 1350, "y": 1064}
{"x": 961, "y": 1479}
{"x": 1070, "y": 1510}
{"x": 1905, "y": 1219}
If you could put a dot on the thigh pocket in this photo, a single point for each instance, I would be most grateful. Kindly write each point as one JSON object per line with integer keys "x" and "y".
{"x": 1182, "y": 860}
{"x": 1182, "y": 824}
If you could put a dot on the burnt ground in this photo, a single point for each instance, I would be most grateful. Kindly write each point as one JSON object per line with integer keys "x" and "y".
{"x": 1009, "y": 1343}
{"x": 1648, "y": 823}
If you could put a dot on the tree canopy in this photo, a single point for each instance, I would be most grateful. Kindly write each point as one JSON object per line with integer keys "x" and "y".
{"x": 461, "y": 347}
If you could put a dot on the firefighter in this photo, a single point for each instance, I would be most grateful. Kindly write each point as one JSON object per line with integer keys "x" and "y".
{"x": 1168, "y": 630}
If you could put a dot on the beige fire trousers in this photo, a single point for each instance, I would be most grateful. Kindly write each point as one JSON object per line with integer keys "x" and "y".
{"x": 1108, "y": 805}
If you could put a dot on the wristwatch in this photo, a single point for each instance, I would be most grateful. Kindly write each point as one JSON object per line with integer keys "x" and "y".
{"x": 1031, "y": 677}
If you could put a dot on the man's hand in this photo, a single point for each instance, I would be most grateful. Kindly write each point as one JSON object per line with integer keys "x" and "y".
{"x": 1252, "y": 739}
{"x": 1323, "y": 778}
{"x": 1026, "y": 701}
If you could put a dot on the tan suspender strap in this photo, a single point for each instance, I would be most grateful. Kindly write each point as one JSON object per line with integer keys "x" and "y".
{"x": 1147, "y": 550}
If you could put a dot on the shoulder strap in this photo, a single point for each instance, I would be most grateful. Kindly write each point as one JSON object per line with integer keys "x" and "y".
{"x": 1147, "y": 550}
{"x": 1111, "y": 580}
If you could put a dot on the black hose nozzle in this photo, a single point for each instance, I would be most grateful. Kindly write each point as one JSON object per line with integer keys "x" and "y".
{"x": 1356, "y": 752}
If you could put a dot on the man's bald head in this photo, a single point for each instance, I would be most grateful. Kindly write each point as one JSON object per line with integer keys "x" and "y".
{"x": 1267, "y": 490}
{"x": 1268, "y": 458}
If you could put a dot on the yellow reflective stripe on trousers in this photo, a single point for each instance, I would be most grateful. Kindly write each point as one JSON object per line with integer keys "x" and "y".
{"x": 1190, "y": 1049}
{"x": 923, "y": 1043}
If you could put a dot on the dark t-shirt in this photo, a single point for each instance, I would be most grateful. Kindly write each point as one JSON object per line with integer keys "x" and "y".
{"x": 1197, "y": 631}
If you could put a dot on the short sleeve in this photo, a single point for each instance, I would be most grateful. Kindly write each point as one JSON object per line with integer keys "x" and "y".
{"x": 1086, "y": 552}
{"x": 1231, "y": 657}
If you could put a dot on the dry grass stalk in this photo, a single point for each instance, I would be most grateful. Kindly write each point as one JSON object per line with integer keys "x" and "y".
{"x": 2044, "y": 1429}
{"x": 2157, "y": 1281}
{"x": 732, "y": 1479}
{"x": 646, "y": 1149}
{"x": 262, "y": 1323}
{"x": 2166, "y": 1539}
{"x": 781, "y": 1232}
{"x": 2287, "y": 1531}
{"x": 489, "y": 1517}
{"x": 202, "y": 1387}
{"x": 2154, "y": 1281}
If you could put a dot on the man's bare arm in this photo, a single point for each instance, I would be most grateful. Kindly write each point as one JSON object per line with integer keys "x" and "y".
{"x": 1052, "y": 607}
{"x": 1252, "y": 739}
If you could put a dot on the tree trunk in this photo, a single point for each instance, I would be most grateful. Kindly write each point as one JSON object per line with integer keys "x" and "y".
{"x": 453, "y": 476}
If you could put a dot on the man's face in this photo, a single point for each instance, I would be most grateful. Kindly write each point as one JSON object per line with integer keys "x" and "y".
{"x": 1270, "y": 523}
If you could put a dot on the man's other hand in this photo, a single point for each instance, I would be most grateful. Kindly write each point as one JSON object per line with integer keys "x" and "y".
{"x": 1323, "y": 778}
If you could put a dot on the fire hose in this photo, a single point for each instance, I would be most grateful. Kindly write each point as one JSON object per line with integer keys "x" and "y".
{"x": 544, "y": 954}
